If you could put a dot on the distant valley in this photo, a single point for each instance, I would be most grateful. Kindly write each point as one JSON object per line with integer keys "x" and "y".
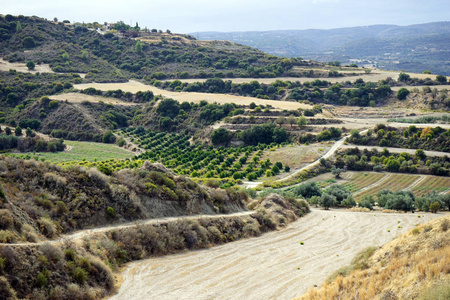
{"x": 413, "y": 48}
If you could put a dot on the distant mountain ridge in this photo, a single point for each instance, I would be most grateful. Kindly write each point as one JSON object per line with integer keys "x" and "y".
{"x": 414, "y": 48}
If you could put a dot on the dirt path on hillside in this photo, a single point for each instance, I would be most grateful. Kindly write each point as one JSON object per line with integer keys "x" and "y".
{"x": 338, "y": 144}
{"x": 272, "y": 266}
{"x": 88, "y": 232}
{"x": 135, "y": 86}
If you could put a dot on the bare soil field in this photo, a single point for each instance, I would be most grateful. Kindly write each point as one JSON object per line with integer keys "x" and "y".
{"x": 409, "y": 87}
{"x": 21, "y": 67}
{"x": 297, "y": 156}
{"x": 273, "y": 266}
{"x": 374, "y": 76}
{"x": 79, "y": 97}
{"x": 135, "y": 86}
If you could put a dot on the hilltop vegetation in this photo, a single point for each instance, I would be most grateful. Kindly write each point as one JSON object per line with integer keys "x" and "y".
{"x": 106, "y": 57}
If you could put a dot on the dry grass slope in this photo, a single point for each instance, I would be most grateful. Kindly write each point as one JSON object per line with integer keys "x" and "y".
{"x": 413, "y": 266}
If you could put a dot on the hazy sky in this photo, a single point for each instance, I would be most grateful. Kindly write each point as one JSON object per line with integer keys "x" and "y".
{"x": 185, "y": 16}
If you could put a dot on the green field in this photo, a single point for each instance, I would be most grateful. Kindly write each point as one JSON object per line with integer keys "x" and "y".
{"x": 440, "y": 184}
{"x": 395, "y": 182}
{"x": 79, "y": 151}
{"x": 361, "y": 180}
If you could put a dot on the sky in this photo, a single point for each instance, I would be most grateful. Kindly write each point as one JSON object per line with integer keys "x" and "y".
{"x": 190, "y": 16}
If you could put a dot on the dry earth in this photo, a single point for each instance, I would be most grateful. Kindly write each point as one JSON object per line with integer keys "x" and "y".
{"x": 135, "y": 86}
{"x": 397, "y": 150}
{"x": 272, "y": 266}
{"x": 22, "y": 67}
{"x": 79, "y": 97}
{"x": 297, "y": 156}
{"x": 374, "y": 76}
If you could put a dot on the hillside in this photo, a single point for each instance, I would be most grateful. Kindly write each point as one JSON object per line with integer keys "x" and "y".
{"x": 413, "y": 266}
{"x": 115, "y": 56}
{"x": 415, "y": 48}
{"x": 43, "y": 200}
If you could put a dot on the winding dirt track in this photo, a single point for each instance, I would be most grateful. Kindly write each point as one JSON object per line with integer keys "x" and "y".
{"x": 272, "y": 266}
{"x": 78, "y": 235}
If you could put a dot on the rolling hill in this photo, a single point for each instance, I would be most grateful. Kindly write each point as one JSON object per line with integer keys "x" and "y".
{"x": 414, "y": 48}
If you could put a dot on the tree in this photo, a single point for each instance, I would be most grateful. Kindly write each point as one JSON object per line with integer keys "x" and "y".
{"x": 336, "y": 171}
{"x": 108, "y": 137}
{"x": 327, "y": 201}
{"x": 28, "y": 42}
{"x": 84, "y": 55}
{"x": 165, "y": 123}
{"x": 420, "y": 154}
{"x": 307, "y": 190}
{"x": 18, "y": 26}
{"x": 8, "y": 131}
{"x": 302, "y": 121}
{"x": 30, "y": 65}
{"x": 403, "y": 77}
{"x": 348, "y": 202}
{"x": 280, "y": 120}
{"x": 441, "y": 79}
{"x": 29, "y": 132}
{"x": 220, "y": 136}
{"x": 291, "y": 120}
{"x": 18, "y": 131}
{"x": 168, "y": 108}
{"x": 434, "y": 207}
{"x": 138, "y": 46}
{"x": 402, "y": 93}
{"x": 323, "y": 136}
{"x": 338, "y": 191}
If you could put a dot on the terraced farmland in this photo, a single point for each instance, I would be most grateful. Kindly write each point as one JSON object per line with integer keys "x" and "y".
{"x": 362, "y": 180}
{"x": 393, "y": 182}
{"x": 440, "y": 184}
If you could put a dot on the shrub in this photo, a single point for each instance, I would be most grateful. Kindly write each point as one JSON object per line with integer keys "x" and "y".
{"x": 80, "y": 275}
{"x": 327, "y": 201}
{"x": 402, "y": 93}
{"x": 30, "y": 65}
{"x": 6, "y": 291}
{"x": 6, "y": 236}
{"x": 51, "y": 252}
{"x": 6, "y": 219}
{"x": 367, "y": 202}
{"x": 110, "y": 213}
{"x": 348, "y": 202}
{"x": 69, "y": 254}
{"x": 434, "y": 207}
{"x": 48, "y": 228}
{"x": 41, "y": 279}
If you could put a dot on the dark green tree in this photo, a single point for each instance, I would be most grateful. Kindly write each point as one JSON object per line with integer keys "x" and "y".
{"x": 402, "y": 93}
{"x": 28, "y": 42}
{"x": 441, "y": 79}
{"x": 18, "y": 131}
{"x": 220, "y": 136}
{"x": 30, "y": 65}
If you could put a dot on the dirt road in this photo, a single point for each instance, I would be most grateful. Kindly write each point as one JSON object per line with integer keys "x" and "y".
{"x": 397, "y": 150}
{"x": 273, "y": 266}
{"x": 87, "y": 232}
